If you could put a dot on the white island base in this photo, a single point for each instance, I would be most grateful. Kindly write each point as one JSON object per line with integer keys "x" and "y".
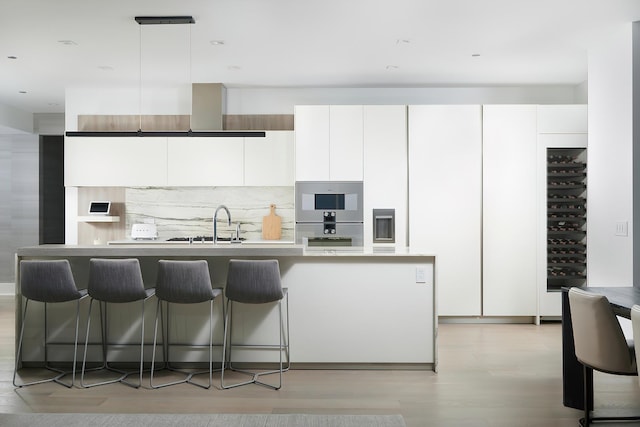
{"x": 353, "y": 308}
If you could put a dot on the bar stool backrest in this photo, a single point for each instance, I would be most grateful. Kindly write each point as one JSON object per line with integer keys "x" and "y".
{"x": 184, "y": 282}
{"x": 254, "y": 281}
{"x": 116, "y": 280}
{"x": 48, "y": 281}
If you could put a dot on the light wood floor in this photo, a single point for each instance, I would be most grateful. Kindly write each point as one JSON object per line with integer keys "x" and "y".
{"x": 489, "y": 375}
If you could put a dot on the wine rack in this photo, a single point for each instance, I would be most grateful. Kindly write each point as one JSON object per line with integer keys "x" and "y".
{"x": 566, "y": 217}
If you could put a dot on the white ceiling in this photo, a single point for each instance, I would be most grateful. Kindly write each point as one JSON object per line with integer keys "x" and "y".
{"x": 297, "y": 43}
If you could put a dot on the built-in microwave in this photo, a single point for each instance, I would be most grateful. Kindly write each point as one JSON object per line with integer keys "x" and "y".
{"x": 336, "y": 201}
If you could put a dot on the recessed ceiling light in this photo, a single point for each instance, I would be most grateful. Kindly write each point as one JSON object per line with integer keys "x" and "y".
{"x": 217, "y": 42}
{"x": 392, "y": 67}
{"x": 475, "y": 55}
{"x": 68, "y": 42}
{"x": 403, "y": 41}
{"x": 12, "y": 57}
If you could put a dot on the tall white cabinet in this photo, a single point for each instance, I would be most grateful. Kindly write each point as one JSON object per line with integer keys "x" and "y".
{"x": 509, "y": 214}
{"x": 445, "y": 200}
{"x": 385, "y": 167}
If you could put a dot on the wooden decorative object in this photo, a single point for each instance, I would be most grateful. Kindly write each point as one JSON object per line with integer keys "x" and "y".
{"x": 272, "y": 225}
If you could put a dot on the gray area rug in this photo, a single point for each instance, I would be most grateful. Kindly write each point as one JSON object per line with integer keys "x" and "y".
{"x": 199, "y": 420}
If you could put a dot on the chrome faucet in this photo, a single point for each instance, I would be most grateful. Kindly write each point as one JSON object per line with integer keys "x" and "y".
{"x": 215, "y": 222}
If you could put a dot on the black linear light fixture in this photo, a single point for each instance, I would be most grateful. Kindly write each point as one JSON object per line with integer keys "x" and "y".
{"x": 157, "y": 20}
{"x": 189, "y": 133}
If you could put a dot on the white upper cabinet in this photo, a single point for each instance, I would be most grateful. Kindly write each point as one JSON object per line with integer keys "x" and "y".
{"x": 115, "y": 162}
{"x": 329, "y": 142}
{"x": 345, "y": 143}
{"x": 312, "y": 142}
{"x": 509, "y": 210}
{"x": 562, "y": 119}
{"x": 180, "y": 161}
{"x": 445, "y": 193}
{"x": 269, "y": 161}
{"x": 195, "y": 161}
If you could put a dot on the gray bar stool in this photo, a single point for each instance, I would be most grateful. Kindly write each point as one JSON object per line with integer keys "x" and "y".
{"x": 114, "y": 281}
{"x": 183, "y": 282}
{"x": 255, "y": 282}
{"x": 48, "y": 281}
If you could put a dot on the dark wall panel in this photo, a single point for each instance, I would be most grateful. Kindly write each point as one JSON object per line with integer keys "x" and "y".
{"x": 51, "y": 189}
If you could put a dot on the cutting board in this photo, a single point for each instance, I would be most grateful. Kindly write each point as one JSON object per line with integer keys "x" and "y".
{"x": 272, "y": 225}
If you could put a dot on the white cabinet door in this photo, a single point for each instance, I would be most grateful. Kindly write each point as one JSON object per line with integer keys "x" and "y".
{"x": 345, "y": 142}
{"x": 385, "y": 167}
{"x": 312, "y": 142}
{"x": 329, "y": 142}
{"x": 205, "y": 161}
{"x": 445, "y": 194}
{"x": 509, "y": 210}
{"x": 115, "y": 162}
{"x": 562, "y": 119}
{"x": 269, "y": 161}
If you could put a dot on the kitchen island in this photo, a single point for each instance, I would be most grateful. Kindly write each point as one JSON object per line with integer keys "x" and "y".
{"x": 350, "y": 307}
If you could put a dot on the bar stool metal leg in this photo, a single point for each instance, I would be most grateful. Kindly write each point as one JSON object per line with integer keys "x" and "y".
{"x": 255, "y": 282}
{"x": 48, "y": 281}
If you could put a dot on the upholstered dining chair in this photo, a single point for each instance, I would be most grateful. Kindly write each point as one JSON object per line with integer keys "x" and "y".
{"x": 599, "y": 344}
{"x": 251, "y": 282}
{"x": 182, "y": 282}
{"x": 48, "y": 281}
{"x": 635, "y": 322}
{"x": 114, "y": 281}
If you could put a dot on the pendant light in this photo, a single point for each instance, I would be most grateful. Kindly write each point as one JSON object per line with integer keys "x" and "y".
{"x": 162, "y": 20}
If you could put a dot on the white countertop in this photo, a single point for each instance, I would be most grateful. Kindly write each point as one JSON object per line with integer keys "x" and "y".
{"x": 246, "y": 249}
{"x": 196, "y": 242}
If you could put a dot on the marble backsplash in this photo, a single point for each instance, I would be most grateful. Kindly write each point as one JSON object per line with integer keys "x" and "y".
{"x": 188, "y": 211}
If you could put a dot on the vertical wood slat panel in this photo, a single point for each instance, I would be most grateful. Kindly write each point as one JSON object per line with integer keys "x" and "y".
{"x": 107, "y": 123}
{"x": 133, "y": 123}
{"x": 101, "y": 231}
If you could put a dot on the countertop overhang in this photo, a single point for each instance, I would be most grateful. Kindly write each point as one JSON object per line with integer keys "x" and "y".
{"x": 210, "y": 250}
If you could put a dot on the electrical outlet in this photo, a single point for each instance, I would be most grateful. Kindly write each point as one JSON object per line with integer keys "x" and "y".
{"x": 622, "y": 228}
{"x": 421, "y": 275}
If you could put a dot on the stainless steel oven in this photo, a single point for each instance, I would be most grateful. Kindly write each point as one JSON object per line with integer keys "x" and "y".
{"x": 329, "y": 210}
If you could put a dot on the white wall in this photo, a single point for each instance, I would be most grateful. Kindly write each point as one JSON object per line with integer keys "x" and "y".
{"x": 169, "y": 100}
{"x": 282, "y": 101}
{"x": 610, "y": 169}
{"x": 177, "y": 100}
{"x": 19, "y": 190}
{"x": 13, "y": 120}
{"x": 48, "y": 123}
